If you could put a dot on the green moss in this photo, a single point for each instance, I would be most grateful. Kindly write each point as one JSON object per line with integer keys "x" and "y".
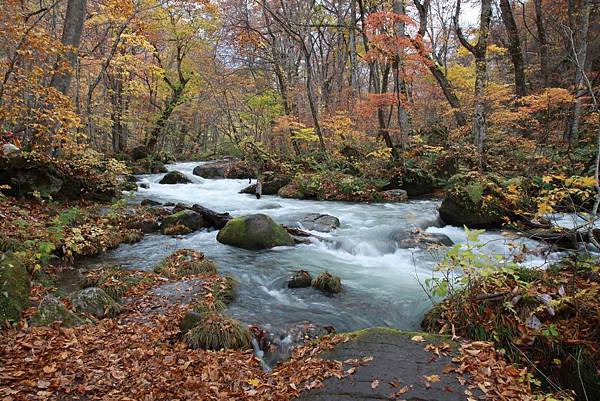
{"x": 14, "y": 288}
{"x": 177, "y": 229}
{"x": 225, "y": 290}
{"x": 254, "y": 232}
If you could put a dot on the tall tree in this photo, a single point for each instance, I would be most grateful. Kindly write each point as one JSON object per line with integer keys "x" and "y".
{"x": 479, "y": 51}
{"x": 71, "y": 38}
{"x": 514, "y": 46}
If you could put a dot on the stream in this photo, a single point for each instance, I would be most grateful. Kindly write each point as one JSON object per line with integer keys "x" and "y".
{"x": 381, "y": 283}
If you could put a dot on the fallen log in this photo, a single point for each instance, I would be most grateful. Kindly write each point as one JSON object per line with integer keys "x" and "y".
{"x": 563, "y": 238}
{"x": 216, "y": 219}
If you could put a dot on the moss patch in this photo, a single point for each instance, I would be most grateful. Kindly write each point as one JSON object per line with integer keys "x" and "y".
{"x": 217, "y": 332}
{"x": 186, "y": 262}
{"x": 14, "y": 288}
{"x": 257, "y": 231}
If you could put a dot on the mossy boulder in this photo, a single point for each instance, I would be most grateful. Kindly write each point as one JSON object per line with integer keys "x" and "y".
{"x": 271, "y": 184}
{"x": 216, "y": 331}
{"x": 95, "y": 302}
{"x": 14, "y": 288}
{"x": 175, "y": 177}
{"x": 300, "y": 279}
{"x": 473, "y": 200}
{"x": 188, "y": 218}
{"x": 328, "y": 283}
{"x": 185, "y": 262}
{"x": 52, "y": 310}
{"x": 256, "y": 231}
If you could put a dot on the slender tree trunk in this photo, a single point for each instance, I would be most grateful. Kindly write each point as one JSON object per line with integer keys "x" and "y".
{"x": 352, "y": 49}
{"x": 581, "y": 29}
{"x": 514, "y": 45}
{"x": 400, "y": 85}
{"x": 71, "y": 37}
{"x": 157, "y": 131}
{"x": 543, "y": 43}
{"x": 479, "y": 51}
{"x": 311, "y": 98}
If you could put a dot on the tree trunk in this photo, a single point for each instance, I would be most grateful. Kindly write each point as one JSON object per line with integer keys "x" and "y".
{"x": 580, "y": 30}
{"x": 514, "y": 45}
{"x": 71, "y": 37}
{"x": 543, "y": 42}
{"x": 157, "y": 131}
{"x": 400, "y": 84}
{"x": 352, "y": 49}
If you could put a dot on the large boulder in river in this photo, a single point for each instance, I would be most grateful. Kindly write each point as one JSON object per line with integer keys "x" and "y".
{"x": 14, "y": 288}
{"x": 315, "y": 222}
{"x": 256, "y": 231}
{"x": 175, "y": 177}
{"x": 473, "y": 200}
{"x": 94, "y": 301}
{"x": 188, "y": 218}
{"x": 214, "y": 169}
{"x": 239, "y": 169}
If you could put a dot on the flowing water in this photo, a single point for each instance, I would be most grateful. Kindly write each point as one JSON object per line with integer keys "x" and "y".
{"x": 381, "y": 283}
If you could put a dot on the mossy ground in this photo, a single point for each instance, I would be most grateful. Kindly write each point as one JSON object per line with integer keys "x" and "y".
{"x": 14, "y": 288}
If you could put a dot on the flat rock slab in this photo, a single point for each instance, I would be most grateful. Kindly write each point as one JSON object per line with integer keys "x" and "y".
{"x": 397, "y": 359}
{"x": 179, "y": 292}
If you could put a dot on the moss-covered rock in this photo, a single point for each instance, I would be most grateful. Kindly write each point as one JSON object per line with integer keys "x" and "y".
{"x": 113, "y": 280}
{"x": 256, "y": 231}
{"x": 216, "y": 332}
{"x": 473, "y": 200}
{"x": 188, "y": 218}
{"x": 328, "y": 283}
{"x": 14, "y": 288}
{"x": 185, "y": 262}
{"x": 52, "y": 310}
{"x": 175, "y": 177}
{"x": 96, "y": 302}
{"x": 300, "y": 279}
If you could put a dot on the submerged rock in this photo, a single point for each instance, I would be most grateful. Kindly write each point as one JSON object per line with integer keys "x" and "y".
{"x": 328, "y": 283}
{"x": 188, "y": 218}
{"x": 316, "y": 222}
{"x": 52, "y": 310}
{"x": 416, "y": 239}
{"x": 300, "y": 279}
{"x": 14, "y": 288}
{"x": 175, "y": 177}
{"x": 254, "y": 232}
{"x": 96, "y": 302}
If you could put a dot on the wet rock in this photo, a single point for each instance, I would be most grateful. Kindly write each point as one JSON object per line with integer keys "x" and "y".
{"x": 94, "y": 301}
{"x": 144, "y": 185}
{"x": 395, "y": 195}
{"x": 14, "y": 288}
{"x": 395, "y": 358}
{"x": 9, "y": 149}
{"x": 463, "y": 203}
{"x": 419, "y": 239}
{"x": 188, "y": 218}
{"x": 175, "y": 177}
{"x": 317, "y": 222}
{"x": 179, "y": 292}
{"x": 300, "y": 279}
{"x": 328, "y": 283}
{"x": 215, "y": 169}
{"x": 281, "y": 343}
{"x": 150, "y": 202}
{"x": 52, "y": 310}
{"x": 190, "y": 320}
{"x": 146, "y": 225}
{"x": 257, "y": 231}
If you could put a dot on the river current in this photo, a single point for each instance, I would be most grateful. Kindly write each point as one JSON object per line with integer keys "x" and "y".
{"x": 382, "y": 284}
